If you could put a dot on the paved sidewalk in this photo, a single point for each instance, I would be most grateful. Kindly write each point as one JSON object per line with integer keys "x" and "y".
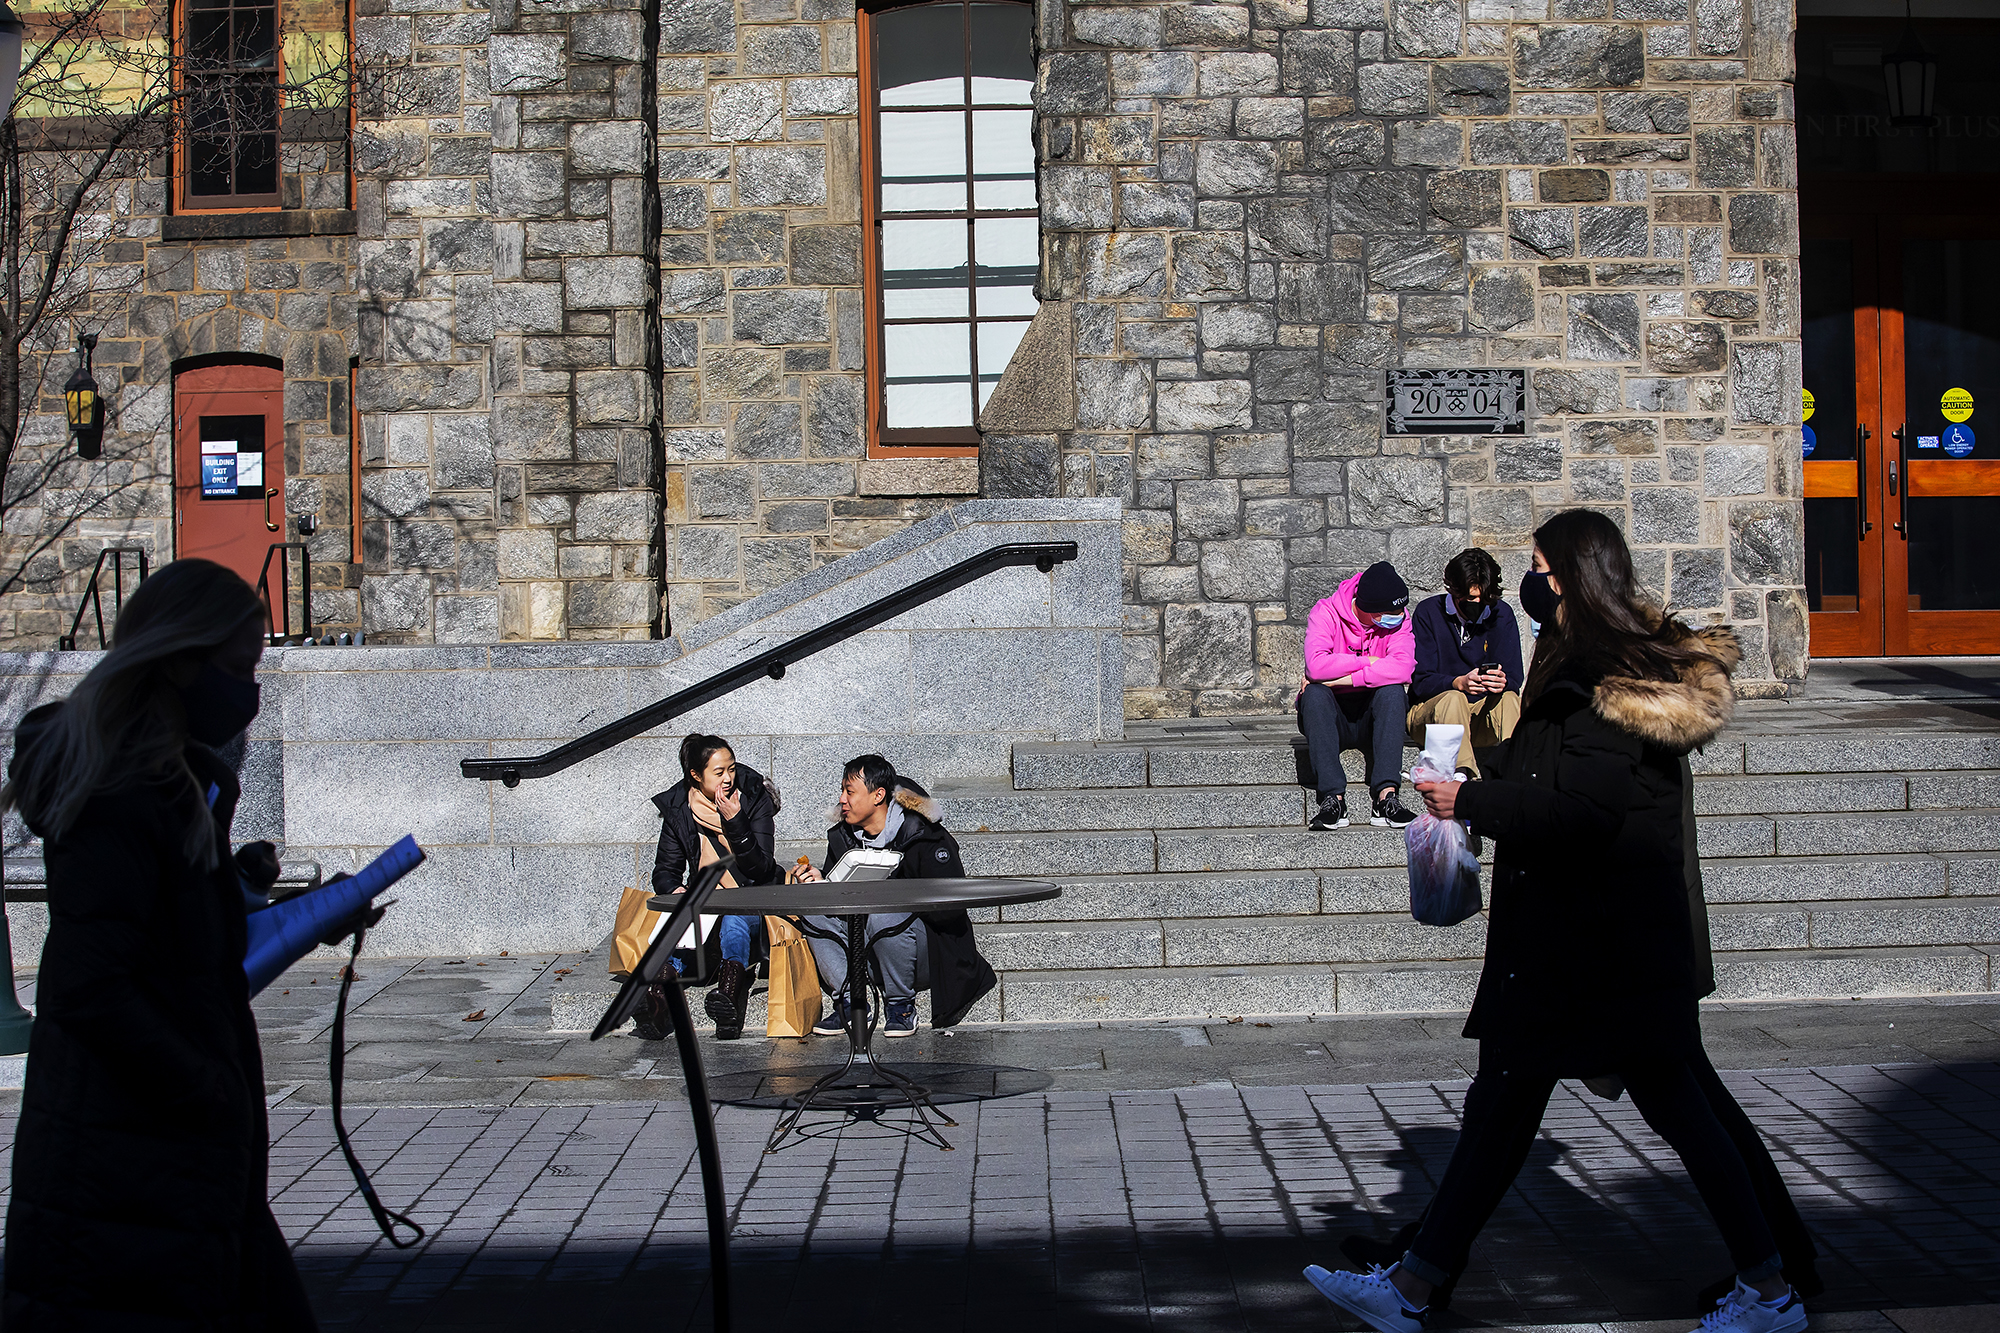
{"x": 1191, "y": 1209}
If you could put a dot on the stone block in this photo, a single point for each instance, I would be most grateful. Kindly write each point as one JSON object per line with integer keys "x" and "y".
{"x": 607, "y": 148}
{"x": 1604, "y": 327}
{"x": 779, "y": 317}
{"x": 791, "y": 49}
{"x": 1612, "y": 232}
{"x": 1321, "y": 293}
{"x": 1374, "y": 201}
{"x": 1402, "y": 89}
{"x": 1138, "y": 29}
{"x": 608, "y": 36}
{"x": 747, "y": 111}
{"x": 1503, "y": 299}
{"x": 1470, "y": 88}
{"x": 781, "y": 176}
{"x": 1207, "y": 645}
{"x": 530, "y": 184}
{"x": 1125, "y": 265}
{"x": 1764, "y": 382}
{"x": 1249, "y": 570}
{"x": 1113, "y": 395}
{"x": 1237, "y": 74}
{"x": 1336, "y": 430}
{"x": 1234, "y": 167}
{"x": 1766, "y": 542}
{"x": 1579, "y": 56}
{"x": 1073, "y": 82}
{"x": 1203, "y": 405}
{"x": 1548, "y": 232}
{"x": 1469, "y": 199}
{"x": 920, "y": 476}
{"x": 1427, "y": 143}
{"x": 1421, "y": 28}
{"x": 1340, "y": 144}
{"x": 1518, "y": 142}
{"x": 1139, "y": 205}
{"x": 1417, "y": 263}
{"x": 1764, "y": 224}
{"x": 1079, "y": 199}
{"x": 525, "y": 62}
{"x": 1384, "y": 493}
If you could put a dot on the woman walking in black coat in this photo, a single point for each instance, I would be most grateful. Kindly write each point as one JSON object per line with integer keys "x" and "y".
{"x": 719, "y": 808}
{"x": 1590, "y": 962}
{"x": 139, "y": 1162}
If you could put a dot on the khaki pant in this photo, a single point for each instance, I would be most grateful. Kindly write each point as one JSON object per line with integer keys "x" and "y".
{"x": 1488, "y": 719}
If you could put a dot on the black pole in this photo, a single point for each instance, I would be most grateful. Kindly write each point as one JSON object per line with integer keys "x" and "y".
{"x": 711, "y": 1155}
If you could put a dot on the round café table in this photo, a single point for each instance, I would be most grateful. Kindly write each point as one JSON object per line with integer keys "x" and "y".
{"x": 864, "y": 1084}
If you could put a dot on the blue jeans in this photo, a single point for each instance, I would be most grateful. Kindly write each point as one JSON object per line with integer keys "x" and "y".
{"x": 739, "y": 935}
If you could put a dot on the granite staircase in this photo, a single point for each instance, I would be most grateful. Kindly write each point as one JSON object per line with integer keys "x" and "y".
{"x": 1846, "y": 861}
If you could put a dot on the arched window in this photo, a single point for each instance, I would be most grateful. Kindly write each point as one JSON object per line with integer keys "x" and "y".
{"x": 952, "y": 212}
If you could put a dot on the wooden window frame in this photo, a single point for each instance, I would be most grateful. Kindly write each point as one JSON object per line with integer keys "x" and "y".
{"x": 184, "y": 200}
{"x": 907, "y": 442}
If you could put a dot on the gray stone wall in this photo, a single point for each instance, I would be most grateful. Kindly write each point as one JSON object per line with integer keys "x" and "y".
{"x": 160, "y": 291}
{"x": 356, "y": 747}
{"x": 1251, "y": 211}
{"x": 768, "y": 470}
{"x": 511, "y": 485}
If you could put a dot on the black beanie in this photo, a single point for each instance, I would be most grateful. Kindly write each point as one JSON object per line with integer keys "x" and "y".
{"x": 1381, "y": 590}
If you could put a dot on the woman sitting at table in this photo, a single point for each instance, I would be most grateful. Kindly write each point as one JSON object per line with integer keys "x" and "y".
{"x": 720, "y": 808}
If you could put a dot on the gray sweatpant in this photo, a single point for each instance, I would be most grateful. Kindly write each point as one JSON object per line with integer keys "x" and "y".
{"x": 904, "y": 959}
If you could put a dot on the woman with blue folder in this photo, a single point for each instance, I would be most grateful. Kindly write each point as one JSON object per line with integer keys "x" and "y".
{"x": 140, "y": 1158}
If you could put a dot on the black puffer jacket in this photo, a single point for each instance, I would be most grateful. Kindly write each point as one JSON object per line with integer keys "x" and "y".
{"x": 751, "y": 835}
{"x": 1591, "y": 962}
{"x": 139, "y": 1163}
{"x": 960, "y": 977}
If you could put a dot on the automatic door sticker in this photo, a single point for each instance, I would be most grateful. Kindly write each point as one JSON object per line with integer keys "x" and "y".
{"x": 1956, "y": 405}
{"x": 1808, "y": 438}
{"x": 1958, "y": 440}
{"x": 1808, "y": 405}
{"x": 1927, "y": 441}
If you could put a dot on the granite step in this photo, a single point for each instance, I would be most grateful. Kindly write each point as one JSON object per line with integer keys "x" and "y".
{"x": 997, "y": 809}
{"x": 1167, "y": 993}
{"x": 1392, "y": 936}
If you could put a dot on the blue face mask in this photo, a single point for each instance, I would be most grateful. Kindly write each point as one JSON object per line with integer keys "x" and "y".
{"x": 1390, "y": 622}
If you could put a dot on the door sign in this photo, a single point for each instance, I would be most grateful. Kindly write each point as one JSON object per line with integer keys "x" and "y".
{"x": 1956, "y": 405}
{"x": 1808, "y": 405}
{"x": 1808, "y": 438}
{"x": 228, "y": 473}
{"x": 1958, "y": 440}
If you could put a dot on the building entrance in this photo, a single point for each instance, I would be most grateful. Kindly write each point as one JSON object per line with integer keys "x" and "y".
{"x": 229, "y": 465}
{"x": 1901, "y": 305}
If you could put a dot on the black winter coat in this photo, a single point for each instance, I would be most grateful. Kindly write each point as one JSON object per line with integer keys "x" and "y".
{"x": 1591, "y": 963}
{"x": 140, "y": 1160}
{"x": 960, "y": 977}
{"x": 751, "y": 835}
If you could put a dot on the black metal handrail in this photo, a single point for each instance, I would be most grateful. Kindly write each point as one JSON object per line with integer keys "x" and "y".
{"x": 93, "y": 599}
{"x": 281, "y": 614}
{"x": 1044, "y": 556}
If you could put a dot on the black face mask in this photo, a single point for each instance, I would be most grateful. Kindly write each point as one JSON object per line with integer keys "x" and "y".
{"x": 218, "y": 704}
{"x": 1538, "y": 599}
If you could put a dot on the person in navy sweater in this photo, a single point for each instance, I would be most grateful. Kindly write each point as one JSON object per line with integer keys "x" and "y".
{"x": 1468, "y": 659}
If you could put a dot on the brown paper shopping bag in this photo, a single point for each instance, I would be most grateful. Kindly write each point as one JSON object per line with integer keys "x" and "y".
{"x": 633, "y": 931}
{"x": 794, "y": 997}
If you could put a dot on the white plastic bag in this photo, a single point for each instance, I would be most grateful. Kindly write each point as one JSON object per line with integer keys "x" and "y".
{"x": 1444, "y": 874}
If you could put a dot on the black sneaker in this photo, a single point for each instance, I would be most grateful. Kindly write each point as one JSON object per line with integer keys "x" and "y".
{"x": 1332, "y": 813}
{"x": 1389, "y": 812}
{"x": 834, "y": 1022}
{"x": 901, "y": 1019}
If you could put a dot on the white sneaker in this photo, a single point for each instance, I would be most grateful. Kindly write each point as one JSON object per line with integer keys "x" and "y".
{"x": 1741, "y": 1312}
{"x": 1368, "y": 1296}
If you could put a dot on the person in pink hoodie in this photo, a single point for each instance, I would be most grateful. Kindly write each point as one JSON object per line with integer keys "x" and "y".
{"x": 1360, "y": 653}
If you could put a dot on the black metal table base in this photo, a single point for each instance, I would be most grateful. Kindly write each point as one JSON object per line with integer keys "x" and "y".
{"x": 883, "y": 1088}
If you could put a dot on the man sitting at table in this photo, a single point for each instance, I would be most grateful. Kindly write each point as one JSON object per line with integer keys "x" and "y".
{"x": 881, "y": 809}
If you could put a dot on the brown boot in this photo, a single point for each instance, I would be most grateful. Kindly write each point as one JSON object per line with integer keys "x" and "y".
{"x": 728, "y": 998}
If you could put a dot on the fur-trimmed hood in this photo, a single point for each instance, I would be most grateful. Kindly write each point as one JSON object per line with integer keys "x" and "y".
{"x": 914, "y": 799}
{"x": 1680, "y": 715}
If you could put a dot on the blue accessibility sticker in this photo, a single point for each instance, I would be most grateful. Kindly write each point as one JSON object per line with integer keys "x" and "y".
{"x": 1957, "y": 440}
{"x": 1809, "y": 440}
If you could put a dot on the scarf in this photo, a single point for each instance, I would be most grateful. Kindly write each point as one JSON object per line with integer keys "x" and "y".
{"x": 707, "y": 817}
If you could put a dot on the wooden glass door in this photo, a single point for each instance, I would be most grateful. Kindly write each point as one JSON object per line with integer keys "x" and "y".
{"x": 1902, "y": 482}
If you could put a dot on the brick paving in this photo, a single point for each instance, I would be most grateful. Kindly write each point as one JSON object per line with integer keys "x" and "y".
{"x": 1170, "y": 1209}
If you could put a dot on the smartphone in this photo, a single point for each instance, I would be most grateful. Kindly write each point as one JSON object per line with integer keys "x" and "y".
{"x": 1488, "y": 666}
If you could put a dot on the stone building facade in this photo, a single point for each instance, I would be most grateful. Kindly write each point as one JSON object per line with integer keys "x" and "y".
{"x": 605, "y": 289}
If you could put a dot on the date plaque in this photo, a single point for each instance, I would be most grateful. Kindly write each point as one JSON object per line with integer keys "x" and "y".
{"x": 1458, "y": 402}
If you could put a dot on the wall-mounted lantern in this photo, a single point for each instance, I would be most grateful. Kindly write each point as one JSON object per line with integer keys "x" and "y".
{"x": 1910, "y": 73}
{"x": 80, "y": 400}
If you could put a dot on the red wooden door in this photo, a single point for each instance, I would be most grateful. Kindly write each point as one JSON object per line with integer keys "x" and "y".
{"x": 229, "y": 465}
